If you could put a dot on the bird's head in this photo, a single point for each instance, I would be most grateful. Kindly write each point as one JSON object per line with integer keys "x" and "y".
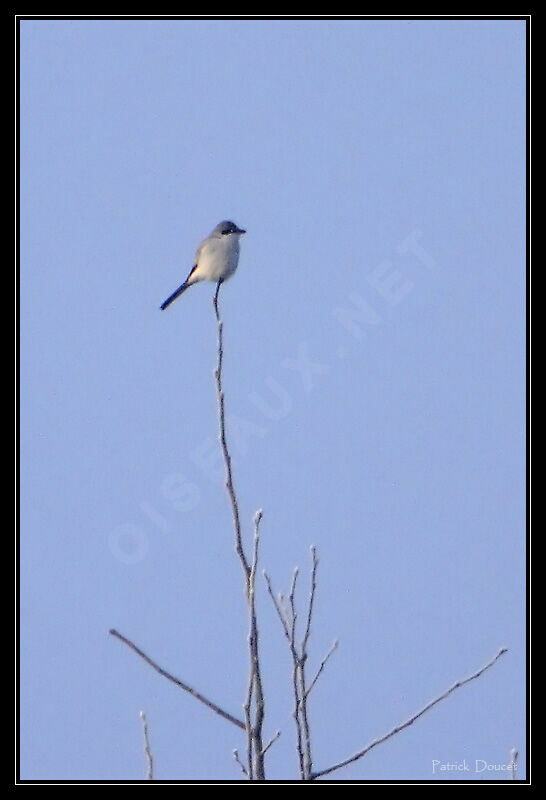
{"x": 228, "y": 228}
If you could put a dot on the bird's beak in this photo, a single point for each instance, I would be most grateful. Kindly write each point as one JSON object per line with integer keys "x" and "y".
{"x": 240, "y": 231}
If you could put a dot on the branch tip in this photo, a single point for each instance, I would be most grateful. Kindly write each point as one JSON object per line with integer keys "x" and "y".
{"x": 173, "y": 679}
{"x": 403, "y": 725}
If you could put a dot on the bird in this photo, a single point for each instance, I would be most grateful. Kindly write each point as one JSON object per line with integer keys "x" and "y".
{"x": 216, "y": 258}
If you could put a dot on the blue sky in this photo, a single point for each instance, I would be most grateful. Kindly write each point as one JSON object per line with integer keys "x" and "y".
{"x": 374, "y": 377}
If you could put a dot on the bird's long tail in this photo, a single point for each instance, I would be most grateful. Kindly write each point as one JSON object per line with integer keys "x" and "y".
{"x": 174, "y": 295}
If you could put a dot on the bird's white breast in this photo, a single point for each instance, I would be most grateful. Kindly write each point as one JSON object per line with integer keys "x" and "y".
{"x": 218, "y": 258}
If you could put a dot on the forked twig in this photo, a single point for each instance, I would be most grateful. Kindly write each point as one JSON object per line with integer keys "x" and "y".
{"x": 299, "y": 651}
{"x": 288, "y": 626}
{"x": 277, "y": 605}
{"x": 194, "y": 693}
{"x": 411, "y": 720}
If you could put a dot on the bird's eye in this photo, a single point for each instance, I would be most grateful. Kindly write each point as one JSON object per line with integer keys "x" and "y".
{"x": 226, "y": 231}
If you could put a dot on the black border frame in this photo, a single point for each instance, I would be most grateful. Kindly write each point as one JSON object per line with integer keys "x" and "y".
{"x": 509, "y": 18}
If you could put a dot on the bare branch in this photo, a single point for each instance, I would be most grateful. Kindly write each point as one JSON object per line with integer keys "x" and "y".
{"x": 296, "y": 676}
{"x": 398, "y": 728}
{"x": 177, "y": 681}
{"x": 514, "y": 762}
{"x": 238, "y": 760}
{"x": 147, "y": 748}
{"x": 323, "y": 663}
{"x": 258, "y": 516}
{"x": 254, "y": 623}
{"x": 293, "y": 612}
{"x": 297, "y": 714}
{"x": 248, "y": 726}
{"x": 255, "y": 697}
{"x": 270, "y": 742}
{"x": 223, "y": 440}
{"x": 277, "y": 604}
{"x": 302, "y": 664}
{"x": 289, "y": 629}
{"x": 311, "y": 599}
{"x": 255, "y": 677}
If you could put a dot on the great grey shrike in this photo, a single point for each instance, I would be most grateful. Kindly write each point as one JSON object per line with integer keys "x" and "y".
{"x": 216, "y": 258}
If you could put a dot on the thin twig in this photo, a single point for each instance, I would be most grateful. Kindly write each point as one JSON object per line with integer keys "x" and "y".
{"x": 147, "y": 748}
{"x": 223, "y": 440}
{"x": 289, "y": 629}
{"x": 411, "y": 720}
{"x": 258, "y": 516}
{"x": 323, "y": 663}
{"x": 177, "y": 681}
{"x": 277, "y": 605}
{"x": 293, "y": 611}
{"x": 304, "y": 693}
{"x": 296, "y": 681}
{"x": 238, "y": 760}
{"x": 514, "y": 762}
{"x": 255, "y": 673}
{"x": 270, "y": 742}
{"x": 311, "y": 599}
{"x": 248, "y": 726}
